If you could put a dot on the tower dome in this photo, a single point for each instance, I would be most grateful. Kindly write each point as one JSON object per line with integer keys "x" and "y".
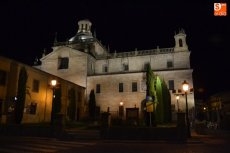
{"x": 84, "y": 32}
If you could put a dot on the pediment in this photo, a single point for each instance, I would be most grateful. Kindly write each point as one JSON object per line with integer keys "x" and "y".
{"x": 62, "y": 51}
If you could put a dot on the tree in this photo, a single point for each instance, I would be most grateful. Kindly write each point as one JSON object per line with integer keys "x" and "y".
{"x": 151, "y": 92}
{"x": 21, "y": 95}
{"x": 160, "y": 106}
{"x": 72, "y": 104}
{"x": 163, "y": 110}
{"x": 56, "y": 103}
{"x": 150, "y": 83}
{"x": 92, "y": 104}
{"x": 158, "y": 91}
{"x": 167, "y": 102}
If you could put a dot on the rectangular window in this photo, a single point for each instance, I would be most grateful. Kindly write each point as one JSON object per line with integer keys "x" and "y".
{"x": 134, "y": 86}
{"x": 98, "y": 88}
{"x": 125, "y": 67}
{"x": 31, "y": 108}
{"x": 121, "y": 89}
{"x": 35, "y": 86}
{"x": 171, "y": 84}
{"x": 169, "y": 64}
{"x": 2, "y": 78}
{"x": 146, "y": 66}
{"x": 105, "y": 68}
{"x": 63, "y": 63}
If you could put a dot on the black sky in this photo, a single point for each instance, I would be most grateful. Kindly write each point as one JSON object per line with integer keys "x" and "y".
{"x": 27, "y": 27}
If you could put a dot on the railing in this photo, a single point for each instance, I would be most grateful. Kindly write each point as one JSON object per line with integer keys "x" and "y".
{"x": 127, "y": 54}
{"x": 142, "y": 52}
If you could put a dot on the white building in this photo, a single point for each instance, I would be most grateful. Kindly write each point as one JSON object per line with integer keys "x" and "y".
{"x": 117, "y": 77}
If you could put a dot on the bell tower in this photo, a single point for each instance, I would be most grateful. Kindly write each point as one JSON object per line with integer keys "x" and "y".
{"x": 180, "y": 41}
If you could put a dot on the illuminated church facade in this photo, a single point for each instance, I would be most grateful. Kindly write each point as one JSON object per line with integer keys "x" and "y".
{"x": 120, "y": 76}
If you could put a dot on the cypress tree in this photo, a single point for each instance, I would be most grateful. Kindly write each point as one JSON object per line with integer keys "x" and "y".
{"x": 92, "y": 104}
{"x": 21, "y": 95}
{"x": 167, "y": 102}
{"x": 151, "y": 92}
{"x": 150, "y": 82}
{"x": 160, "y": 106}
{"x": 157, "y": 89}
{"x": 72, "y": 104}
{"x": 163, "y": 110}
{"x": 56, "y": 103}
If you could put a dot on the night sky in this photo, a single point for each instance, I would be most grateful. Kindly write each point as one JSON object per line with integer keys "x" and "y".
{"x": 27, "y": 27}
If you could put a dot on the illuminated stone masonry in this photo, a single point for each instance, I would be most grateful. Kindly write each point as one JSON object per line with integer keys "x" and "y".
{"x": 119, "y": 76}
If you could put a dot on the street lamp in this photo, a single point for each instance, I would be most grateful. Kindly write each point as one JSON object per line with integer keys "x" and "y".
{"x": 121, "y": 109}
{"x": 185, "y": 87}
{"x": 177, "y": 100}
{"x": 53, "y": 84}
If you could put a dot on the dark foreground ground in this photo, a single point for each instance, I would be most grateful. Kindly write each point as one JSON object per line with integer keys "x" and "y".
{"x": 43, "y": 139}
{"x": 214, "y": 142}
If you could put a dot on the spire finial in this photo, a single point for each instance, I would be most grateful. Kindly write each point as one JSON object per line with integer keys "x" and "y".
{"x": 55, "y": 38}
{"x": 94, "y": 33}
{"x": 108, "y": 49}
{"x": 36, "y": 61}
{"x": 44, "y": 53}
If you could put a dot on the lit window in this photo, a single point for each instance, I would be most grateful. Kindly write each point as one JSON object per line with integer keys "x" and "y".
{"x": 63, "y": 63}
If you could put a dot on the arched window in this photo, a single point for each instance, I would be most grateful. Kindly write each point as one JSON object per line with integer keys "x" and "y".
{"x": 180, "y": 43}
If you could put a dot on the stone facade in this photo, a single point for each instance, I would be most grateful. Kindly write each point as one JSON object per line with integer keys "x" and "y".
{"x": 91, "y": 65}
{"x": 38, "y": 103}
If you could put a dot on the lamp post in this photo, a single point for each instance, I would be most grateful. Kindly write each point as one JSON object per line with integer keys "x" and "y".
{"x": 185, "y": 87}
{"x": 121, "y": 109}
{"x": 53, "y": 84}
{"x": 177, "y": 100}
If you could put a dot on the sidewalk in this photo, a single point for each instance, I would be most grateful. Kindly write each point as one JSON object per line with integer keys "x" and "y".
{"x": 197, "y": 138}
{"x": 209, "y": 134}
